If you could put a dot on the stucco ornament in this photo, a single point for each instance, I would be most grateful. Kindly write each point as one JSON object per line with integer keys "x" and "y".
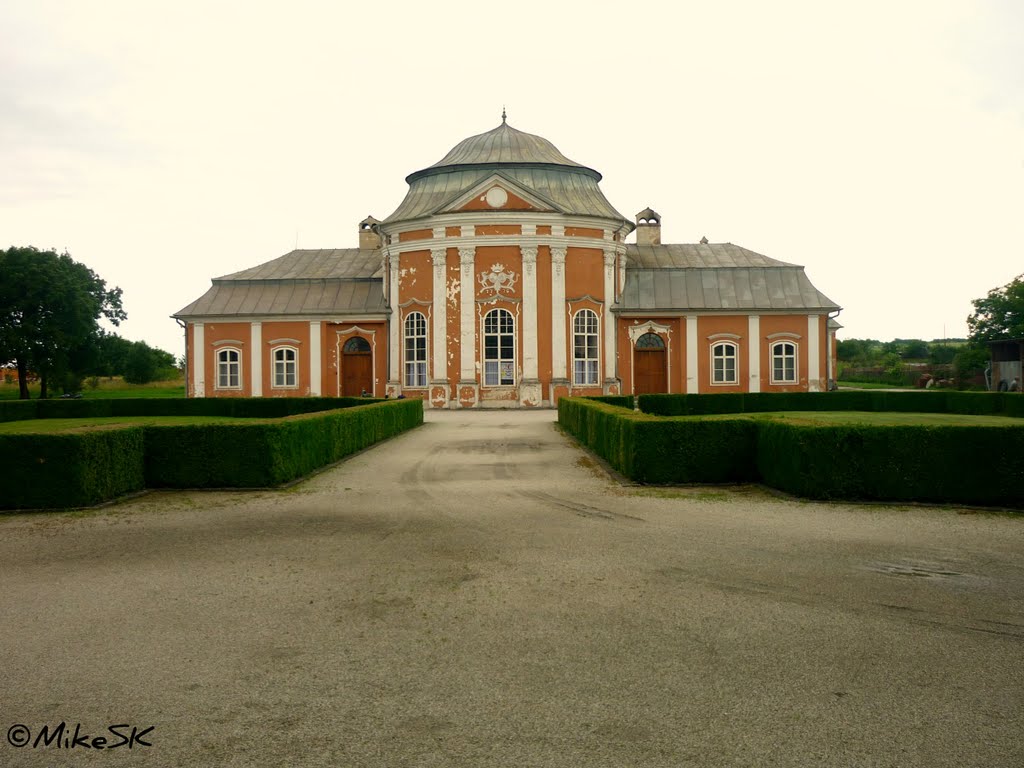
{"x": 498, "y": 280}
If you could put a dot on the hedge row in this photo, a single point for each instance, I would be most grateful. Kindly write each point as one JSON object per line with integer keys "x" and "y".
{"x": 268, "y": 453}
{"x": 913, "y": 401}
{"x": 958, "y": 464}
{"x": 239, "y": 407}
{"x": 84, "y": 468}
{"x": 71, "y": 469}
{"x": 621, "y": 401}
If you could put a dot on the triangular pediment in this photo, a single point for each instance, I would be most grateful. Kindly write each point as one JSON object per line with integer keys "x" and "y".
{"x": 498, "y": 193}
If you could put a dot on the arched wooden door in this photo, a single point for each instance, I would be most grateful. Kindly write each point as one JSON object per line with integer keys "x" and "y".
{"x": 356, "y": 367}
{"x": 650, "y": 365}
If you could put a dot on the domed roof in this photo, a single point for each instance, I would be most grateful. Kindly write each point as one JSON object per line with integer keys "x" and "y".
{"x": 524, "y": 159}
{"x": 504, "y": 144}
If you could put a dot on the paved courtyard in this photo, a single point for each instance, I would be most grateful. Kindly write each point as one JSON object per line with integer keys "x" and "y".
{"x": 479, "y": 593}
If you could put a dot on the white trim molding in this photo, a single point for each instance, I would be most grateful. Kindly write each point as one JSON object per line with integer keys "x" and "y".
{"x": 316, "y": 373}
{"x": 530, "y": 365}
{"x": 439, "y": 335}
{"x": 692, "y": 378}
{"x": 467, "y": 329}
{"x": 609, "y": 318}
{"x": 813, "y": 353}
{"x": 754, "y": 353}
{"x": 558, "y": 308}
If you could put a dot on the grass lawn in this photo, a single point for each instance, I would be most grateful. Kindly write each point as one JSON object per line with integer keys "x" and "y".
{"x": 80, "y": 425}
{"x": 878, "y": 418}
{"x": 107, "y": 388}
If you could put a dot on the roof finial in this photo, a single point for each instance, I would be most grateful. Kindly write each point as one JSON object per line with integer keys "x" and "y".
{"x": 503, "y": 115}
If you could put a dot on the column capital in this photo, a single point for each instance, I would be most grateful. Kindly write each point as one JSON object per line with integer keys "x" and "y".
{"x": 467, "y": 254}
{"x": 609, "y": 257}
{"x": 558, "y": 254}
{"x": 529, "y": 253}
{"x": 439, "y": 255}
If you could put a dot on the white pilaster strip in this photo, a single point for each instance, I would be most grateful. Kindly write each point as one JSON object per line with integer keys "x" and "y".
{"x": 692, "y": 381}
{"x": 529, "y": 253}
{"x": 440, "y": 313}
{"x": 754, "y": 359}
{"x": 558, "y": 370}
{"x": 198, "y": 360}
{"x": 467, "y": 326}
{"x": 315, "y": 363}
{"x": 813, "y": 354}
{"x": 609, "y": 318}
{"x": 395, "y": 345}
{"x": 256, "y": 360}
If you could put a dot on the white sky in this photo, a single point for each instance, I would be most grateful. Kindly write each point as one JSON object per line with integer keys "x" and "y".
{"x": 879, "y": 144}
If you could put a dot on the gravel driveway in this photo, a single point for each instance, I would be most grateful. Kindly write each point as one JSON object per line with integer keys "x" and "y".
{"x": 478, "y": 592}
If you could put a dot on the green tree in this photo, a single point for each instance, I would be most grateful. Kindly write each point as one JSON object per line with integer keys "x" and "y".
{"x": 50, "y": 306}
{"x": 1000, "y": 315}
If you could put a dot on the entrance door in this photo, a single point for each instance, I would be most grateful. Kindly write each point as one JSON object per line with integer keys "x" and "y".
{"x": 650, "y": 365}
{"x": 356, "y": 367}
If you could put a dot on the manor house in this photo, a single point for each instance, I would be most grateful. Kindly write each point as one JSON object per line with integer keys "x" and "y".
{"x": 505, "y": 279}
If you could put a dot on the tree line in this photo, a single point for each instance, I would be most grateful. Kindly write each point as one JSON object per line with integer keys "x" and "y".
{"x": 50, "y": 309}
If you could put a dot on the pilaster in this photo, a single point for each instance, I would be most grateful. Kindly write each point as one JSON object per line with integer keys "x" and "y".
{"x": 813, "y": 353}
{"x": 692, "y": 374}
{"x": 439, "y": 332}
{"x": 558, "y": 369}
{"x": 198, "y": 360}
{"x": 394, "y": 328}
{"x": 316, "y": 361}
{"x": 256, "y": 359}
{"x": 468, "y": 388}
{"x": 754, "y": 359}
{"x": 609, "y": 320}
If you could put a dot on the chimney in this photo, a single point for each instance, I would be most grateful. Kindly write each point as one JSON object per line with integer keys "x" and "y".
{"x": 369, "y": 233}
{"x": 648, "y": 228}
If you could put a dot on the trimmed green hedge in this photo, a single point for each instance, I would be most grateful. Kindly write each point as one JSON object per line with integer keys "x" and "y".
{"x": 84, "y": 468}
{"x": 269, "y": 453}
{"x": 621, "y": 401}
{"x": 931, "y": 401}
{"x": 948, "y": 463}
{"x": 71, "y": 469}
{"x": 239, "y": 407}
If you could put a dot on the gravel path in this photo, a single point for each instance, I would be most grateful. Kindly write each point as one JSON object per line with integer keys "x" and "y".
{"x": 479, "y": 593}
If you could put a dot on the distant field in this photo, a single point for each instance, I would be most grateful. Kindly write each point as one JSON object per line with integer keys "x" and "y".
{"x": 36, "y": 426}
{"x": 108, "y": 388}
{"x": 878, "y": 418}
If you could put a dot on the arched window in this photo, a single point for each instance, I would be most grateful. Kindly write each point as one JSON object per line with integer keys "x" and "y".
{"x": 723, "y": 363}
{"x": 783, "y": 362}
{"x": 229, "y": 367}
{"x": 499, "y": 348}
{"x": 415, "y": 350}
{"x": 650, "y": 341}
{"x": 584, "y": 347}
{"x": 356, "y": 345}
{"x": 285, "y": 361}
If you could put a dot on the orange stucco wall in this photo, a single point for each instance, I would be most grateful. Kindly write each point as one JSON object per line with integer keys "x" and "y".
{"x": 711, "y": 325}
{"x": 416, "y": 234}
{"x": 583, "y": 232}
{"x": 795, "y": 324}
{"x": 335, "y": 335}
{"x": 240, "y": 337}
{"x": 514, "y": 203}
{"x": 498, "y": 229}
{"x": 584, "y": 273}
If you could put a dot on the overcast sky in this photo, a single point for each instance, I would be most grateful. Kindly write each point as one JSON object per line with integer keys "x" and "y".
{"x": 879, "y": 144}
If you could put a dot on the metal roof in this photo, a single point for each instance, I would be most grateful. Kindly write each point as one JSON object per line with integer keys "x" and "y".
{"x": 574, "y": 193}
{"x": 504, "y": 144}
{"x": 243, "y": 298}
{"x": 324, "y": 263}
{"x": 696, "y": 256}
{"x": 782, "y": 287}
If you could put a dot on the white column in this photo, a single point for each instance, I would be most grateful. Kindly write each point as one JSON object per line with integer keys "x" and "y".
{"x": 467, "y": 325}
{"x": 754, "y": 359}
{"x": 395, "y": 344}
{"x": 609, "y": 318}
{"x": 256, "y": 359}
{"x": 198, "y": 360}
{"x": 529, "y": 253}
{"x": 813, "y": 354}
{"x": 692, "y": 380}
{"x": 315, "y": 363}
{"x": 439, "y": 314}
{"x": 558, "y": 370}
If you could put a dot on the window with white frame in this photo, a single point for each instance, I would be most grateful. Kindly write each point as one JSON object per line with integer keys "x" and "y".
{"x": 723, "y": 363}
{"x": 584, "y": 347}
{"x": 415, "y": 350}
{"x": 499, "y": 348}
{"x": 285, "y": 361}
{"x": 783, "y": 355}
{"x": 229, "y": 368}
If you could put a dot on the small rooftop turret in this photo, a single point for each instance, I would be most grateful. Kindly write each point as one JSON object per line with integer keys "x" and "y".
{"x": 369, "y": 233}
{"x": 648, "y": 227}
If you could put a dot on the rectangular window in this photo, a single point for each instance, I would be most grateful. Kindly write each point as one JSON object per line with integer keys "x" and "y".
{"x": 723, "y": 364}
{"x": 784, "y": 363}
{"x": 285, "y": 368}
{"x": 229, "y": 369}
{"x": 499, "y": 348}
{"x": 584, "y": 348}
